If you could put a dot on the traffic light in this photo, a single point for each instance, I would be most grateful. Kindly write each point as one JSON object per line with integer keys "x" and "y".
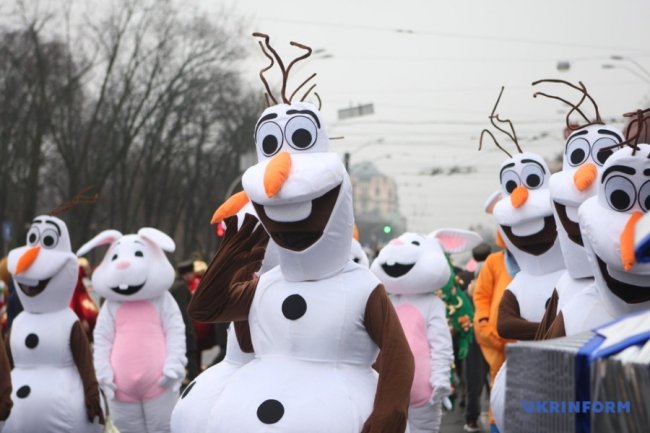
{"x": 388, "y": 229}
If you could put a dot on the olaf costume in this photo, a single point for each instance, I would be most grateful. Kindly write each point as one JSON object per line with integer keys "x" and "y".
{"x": 140, "y": 335}
{"x": 318, "y": 320}
{"x": 412, "y": 267}
{"x": 55, "y": 388}
{"x": 608, "y": 221}
{"x": 582, "y": 165}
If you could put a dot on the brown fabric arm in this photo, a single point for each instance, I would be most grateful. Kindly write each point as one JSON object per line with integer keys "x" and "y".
{"x": 510, "y": 324}
{"x": 549, "y": 316}
{"x": 7, "y": 344}
{"x": 5, "y": 383}
{"x": 395, "y": 366}
{"x": 83, "y": 358}
{"x": 243, "y": 333}
{"x": 557, "y": 328}
{"x": 226, "y": 291}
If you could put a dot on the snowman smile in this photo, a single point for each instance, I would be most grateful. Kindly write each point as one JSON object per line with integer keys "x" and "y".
{"x": 125, "y": 289}
{"x": 33, "y": 288}
{"x": 397, "y": 270}
{"x": 536, "y": 243}
{"x": 571, "y": 227}
{"x": 300, "y": 234}
{"x": 627, "y": 291}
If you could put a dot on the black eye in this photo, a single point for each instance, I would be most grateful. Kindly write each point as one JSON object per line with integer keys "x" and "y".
{"x": 139, "y": 254}
{"x": 415, "y": 243}
{"x": 32, "y": 238}
{"x": 269, "y": 138}
{"x": 114, "y": 257}
{"x": 577, "y": 151}
{"x": 48, "y": 241}
{"x": 620, "y": 193}
{"x": 533, "y": 180}
{"x": 301, "y": 132}
{"x": 355, "y": 260}
{"x": 510, "y": 180}
{"x": 603, "y": 149}
{"x": 533, "y": 175}
{"x": 50, "y": 238}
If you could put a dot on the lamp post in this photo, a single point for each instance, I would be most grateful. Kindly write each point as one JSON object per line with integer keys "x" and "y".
{"x": 645, "y": 72}
{"x": 645, "y": 78}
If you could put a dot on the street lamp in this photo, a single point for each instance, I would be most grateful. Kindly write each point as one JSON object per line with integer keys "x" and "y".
{"x": 634, "y": 62}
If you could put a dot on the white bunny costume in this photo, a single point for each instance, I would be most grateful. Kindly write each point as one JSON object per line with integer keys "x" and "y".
{"x": 412, "y": 267}
{"x": 140, "y": 334}
{"x": 51, "y": 355}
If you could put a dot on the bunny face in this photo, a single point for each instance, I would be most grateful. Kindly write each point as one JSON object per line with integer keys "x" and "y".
{"x": 135, "y": 266}
{"x": 301, "y": 192}
{"x": 414, "y": 263}
{"x": 608, "y": 221}
{"x": 45, "y": 270}
{"x": 585, "y": 153}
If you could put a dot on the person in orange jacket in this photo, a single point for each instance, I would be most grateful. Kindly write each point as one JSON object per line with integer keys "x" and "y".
{"x": 497, "y": 272}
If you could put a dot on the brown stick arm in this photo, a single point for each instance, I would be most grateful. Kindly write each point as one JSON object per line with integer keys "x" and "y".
{"x": 227, "y": 289}
{"x": 395, "y": 366}
{"x": 83, "y": 359}
{"x": 549, "y": 316}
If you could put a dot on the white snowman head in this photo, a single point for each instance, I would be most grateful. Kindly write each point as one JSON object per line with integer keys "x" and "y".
{"x": 522, "y": 209}
{"x": 300, "y": 189}
{"x": 135, "y": 266}
{"x": 608, "y": 223}
{"x": 587, "y": 148}
{"x": 415, "y": 263}
{"x": 45, "y": 270}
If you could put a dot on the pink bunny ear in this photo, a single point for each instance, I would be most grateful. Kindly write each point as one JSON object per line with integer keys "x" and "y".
{"x": 492, "y": 201}
{"x": 105, "y": 237}
{"x": 159, "y": 238}
{"x": 456, "y": 240}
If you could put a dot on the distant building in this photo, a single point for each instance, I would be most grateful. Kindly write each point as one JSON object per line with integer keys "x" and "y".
{"x": 376, "y": 205}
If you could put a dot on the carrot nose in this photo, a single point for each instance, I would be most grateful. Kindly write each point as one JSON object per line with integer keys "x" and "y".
{"x": 355, "y": 232}
{"x": 277, "y": 173}
{"x": 585, "y": 176}
{"x": 627, "y": 241}
{"x": 519, "y": 196}
{"x": 230, "y": 207}
{"x": 499, "y": 240}
{"x": 27, "y": 259}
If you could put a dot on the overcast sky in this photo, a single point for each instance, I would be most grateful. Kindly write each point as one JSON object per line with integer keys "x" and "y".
{"x": 433, "y": 70}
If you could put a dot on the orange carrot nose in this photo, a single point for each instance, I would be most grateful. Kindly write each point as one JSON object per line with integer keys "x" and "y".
{"x": 230, "y": 207}
{"x": 499, "y": 240}
{"x": 627, "y": 241}
{"x": 355, "y": 232}
{"x": 27, "y": 259}
{"x": 277, "y": 173}
{"x": 519, "y": 196}
{"x": 585, "y": 176}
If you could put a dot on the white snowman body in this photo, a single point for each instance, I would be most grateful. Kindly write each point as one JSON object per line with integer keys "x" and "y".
{"x": 48, "y": 392}
{"x": 285, "y": 318}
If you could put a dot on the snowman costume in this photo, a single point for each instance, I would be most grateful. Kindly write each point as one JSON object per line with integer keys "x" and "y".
{"x": 412, "y": 267}
{"x": 55, "y": 388}
{"x": 140, "y": 335}
{"x": 318, "y": 320}
{"x": 5, "y": 384}
{"x": 608, "y": 221}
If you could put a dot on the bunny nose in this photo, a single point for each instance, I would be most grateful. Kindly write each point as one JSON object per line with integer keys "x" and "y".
{"x": 27, "y": 259}
{"x": 396, "y": 242}
{"x": 277, "y": 173}
{"x": 123, "y": 264}
{"x": 585, "y": 176}
{"x": 627, "y": 241}
{"x": 519, "y": 196}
